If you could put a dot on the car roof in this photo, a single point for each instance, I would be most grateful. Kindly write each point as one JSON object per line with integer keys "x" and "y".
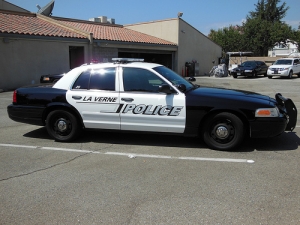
{"x": 65, "y": 81}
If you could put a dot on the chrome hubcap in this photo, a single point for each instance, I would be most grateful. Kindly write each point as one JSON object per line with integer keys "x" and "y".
{"x": 222, "y": 132}
{"x": 62, "y": 125}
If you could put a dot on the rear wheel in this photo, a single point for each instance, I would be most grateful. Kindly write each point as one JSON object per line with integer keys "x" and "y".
{"x": 62, "y": 125}
{"x": 223, "y": 131}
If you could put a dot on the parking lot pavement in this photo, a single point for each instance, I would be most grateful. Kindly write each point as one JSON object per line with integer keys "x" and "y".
{"x": 114, "y": 178}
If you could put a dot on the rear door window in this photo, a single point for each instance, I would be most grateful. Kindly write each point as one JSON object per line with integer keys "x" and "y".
{"x": 99, "y": 79}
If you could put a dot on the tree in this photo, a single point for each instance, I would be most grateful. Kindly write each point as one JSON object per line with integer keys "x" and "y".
{"x": 262, "y": 29}
{"x": 229, "y": 38}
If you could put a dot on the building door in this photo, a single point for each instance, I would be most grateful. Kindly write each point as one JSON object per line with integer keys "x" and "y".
{"x": 76, "y": 55}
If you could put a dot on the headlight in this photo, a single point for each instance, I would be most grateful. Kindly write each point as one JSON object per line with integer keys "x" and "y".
{"x": 267, "y": 112}
{"x": 282, "y": 69}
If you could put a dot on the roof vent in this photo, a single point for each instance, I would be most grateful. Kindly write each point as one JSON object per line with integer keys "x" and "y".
{"x": 111, "y": 21}
{"x": 103, "y": 19}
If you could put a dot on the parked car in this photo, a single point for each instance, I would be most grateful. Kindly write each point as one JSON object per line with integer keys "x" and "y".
{"x": 250, "y": 68}
{"x": 51, "y": 78}
{"x": 131, "y": 95}
{"x": 284, "y": 67}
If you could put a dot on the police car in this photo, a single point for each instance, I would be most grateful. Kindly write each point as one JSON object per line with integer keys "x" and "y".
{"x": 131, "y": 95}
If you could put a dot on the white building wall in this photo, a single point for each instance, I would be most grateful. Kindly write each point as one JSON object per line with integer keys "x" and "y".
{"x": 192, "y": 44}
{"x": 195, "y": 46}
{"x": 27, "y": 59}
{"x": 164, "y": 29}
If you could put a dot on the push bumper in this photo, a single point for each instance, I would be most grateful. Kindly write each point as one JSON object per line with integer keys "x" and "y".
{"x": 288, "y": 108}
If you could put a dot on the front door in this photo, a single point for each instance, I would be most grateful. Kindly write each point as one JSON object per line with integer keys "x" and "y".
{"x": 143, "y": 108}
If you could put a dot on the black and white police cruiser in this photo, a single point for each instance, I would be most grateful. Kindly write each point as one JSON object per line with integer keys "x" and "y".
{"x": 131, "y": 95}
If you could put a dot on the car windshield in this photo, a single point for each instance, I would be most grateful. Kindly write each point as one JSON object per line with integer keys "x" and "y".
{"x": 173, "y": 77}
{"x": 284, "y": 62}
{"x": 248, "y": 63}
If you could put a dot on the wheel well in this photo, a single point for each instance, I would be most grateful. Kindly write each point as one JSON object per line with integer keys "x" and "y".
{"x": 215, "y": 112}
{"x": 70, "y": 110}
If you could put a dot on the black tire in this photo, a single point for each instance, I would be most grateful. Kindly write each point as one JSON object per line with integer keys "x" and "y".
{"x": 231, "y": 131}
{"x": 234, "y": 76}
{"x": 270, "y": 77}
{"x": 62, "y": 125}
{"x": 254, "y": 74}
{"x": 290, "y": 74}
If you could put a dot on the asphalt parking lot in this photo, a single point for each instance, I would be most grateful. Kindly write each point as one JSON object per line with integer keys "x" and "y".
{"x": 117, "y": 178}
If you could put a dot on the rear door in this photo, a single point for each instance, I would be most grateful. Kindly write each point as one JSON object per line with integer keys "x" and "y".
{"x": 96, "y": 97}
{"x": 143, "y": 108}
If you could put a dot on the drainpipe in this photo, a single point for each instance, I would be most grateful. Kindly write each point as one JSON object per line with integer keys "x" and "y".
{"x": 90, "y": 48}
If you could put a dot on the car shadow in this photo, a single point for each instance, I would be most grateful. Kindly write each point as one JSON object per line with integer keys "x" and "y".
{"x": 284, "y": 142}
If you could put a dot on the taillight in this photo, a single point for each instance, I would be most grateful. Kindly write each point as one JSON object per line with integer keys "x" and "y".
{"x": 15, "y": 97}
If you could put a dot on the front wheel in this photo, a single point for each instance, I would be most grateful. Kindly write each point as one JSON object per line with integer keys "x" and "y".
{"x": 62, "y": 125}
{"x": 223, "y": 131}
{"x": 290, "y": 74}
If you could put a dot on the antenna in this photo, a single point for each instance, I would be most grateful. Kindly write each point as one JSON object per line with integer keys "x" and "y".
{"x": 46, "y": 10}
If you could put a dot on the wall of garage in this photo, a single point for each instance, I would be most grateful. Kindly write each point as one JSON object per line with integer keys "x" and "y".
{"x": 195, "y": 46}
{"x": 27, "y": 59}
{"x": 192, "y": 44}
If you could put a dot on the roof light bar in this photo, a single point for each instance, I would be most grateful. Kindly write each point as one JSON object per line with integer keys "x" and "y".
{"x": 125, "y": 60}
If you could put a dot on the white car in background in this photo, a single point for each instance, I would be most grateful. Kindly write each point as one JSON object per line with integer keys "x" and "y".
{"x": 284, "y": 67}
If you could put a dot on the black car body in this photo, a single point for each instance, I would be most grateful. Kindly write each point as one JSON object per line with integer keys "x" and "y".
{"x": 221, "y": 117}
{"x": 250, "y": 68}
{"x": 51, "y": 78}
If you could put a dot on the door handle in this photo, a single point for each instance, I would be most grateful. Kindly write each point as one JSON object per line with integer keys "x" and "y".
{"x": 127, "y": 99}
{"x": 76, "y": 97}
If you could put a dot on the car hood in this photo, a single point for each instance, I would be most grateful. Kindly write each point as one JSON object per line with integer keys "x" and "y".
{"x": 280, "y": 66}
{"x": 228, "y": 93}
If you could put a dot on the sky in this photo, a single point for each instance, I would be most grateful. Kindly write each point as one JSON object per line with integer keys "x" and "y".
{"x": 203, "y": 15}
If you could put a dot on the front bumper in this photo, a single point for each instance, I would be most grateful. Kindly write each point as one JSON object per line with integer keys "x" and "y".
{"x": 268, "y": 127}
{"x": 242, "y": 73}
{"x": 274, "y": 126}
{"x": 283, "y": 73}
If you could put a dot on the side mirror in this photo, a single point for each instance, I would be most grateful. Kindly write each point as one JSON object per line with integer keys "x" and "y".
{"x": 165, "y": 89}
{"x": 181, "y": 87}
{"x": 192, "y": 79}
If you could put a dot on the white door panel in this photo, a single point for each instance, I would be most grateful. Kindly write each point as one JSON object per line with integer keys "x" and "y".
{"x": 98, "y": 109}
{"x": 153, "y": 112}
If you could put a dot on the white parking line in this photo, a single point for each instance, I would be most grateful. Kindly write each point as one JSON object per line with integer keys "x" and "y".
{"x": 130, "y": 155}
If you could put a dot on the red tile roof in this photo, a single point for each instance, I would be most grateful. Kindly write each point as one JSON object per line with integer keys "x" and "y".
{"x": 31, "y": 24}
